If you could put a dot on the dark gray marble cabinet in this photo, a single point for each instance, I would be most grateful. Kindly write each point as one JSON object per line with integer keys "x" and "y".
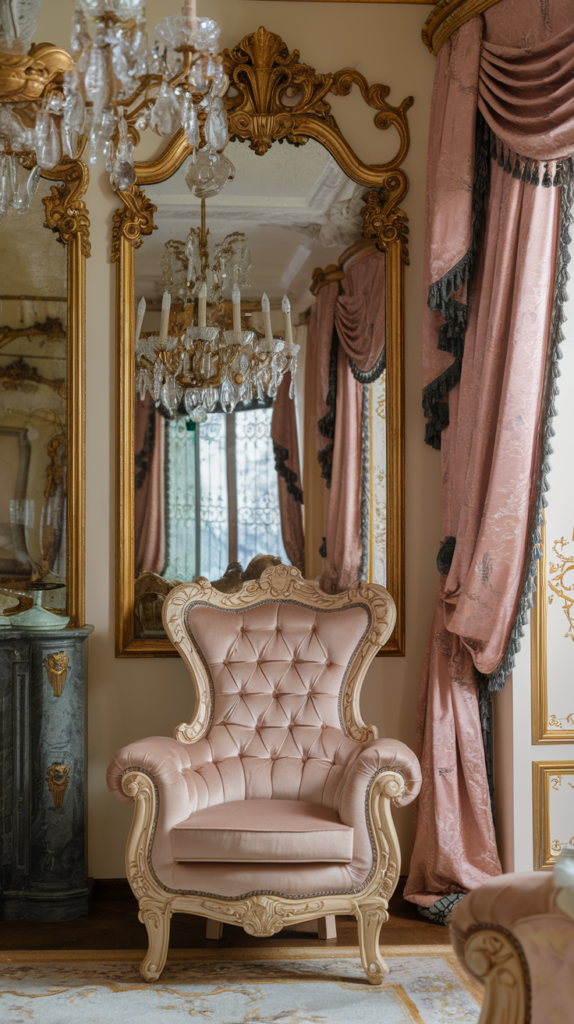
{"x": 42, "y": 865}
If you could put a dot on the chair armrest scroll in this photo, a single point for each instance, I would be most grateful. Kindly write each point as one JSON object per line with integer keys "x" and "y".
{"x": 374, "y": 758}
{"x": 165, "y": 759}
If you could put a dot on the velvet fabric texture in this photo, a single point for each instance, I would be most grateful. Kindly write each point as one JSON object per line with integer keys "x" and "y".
{"x": 525, "y": 905}
{"x": 498, "y": 396}
{"x": 346, "y": 346}
{"x": 287, "y": 464}
{"x": 263, "y": 832}
{"x": 149, "y": 495}
{"x": 276, "y": 673}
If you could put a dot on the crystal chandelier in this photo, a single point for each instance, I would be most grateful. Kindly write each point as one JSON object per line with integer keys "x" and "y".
{"x": 203, "y": 364}
{"x": 44, "y": 121}
{"x": 179, "y": 84}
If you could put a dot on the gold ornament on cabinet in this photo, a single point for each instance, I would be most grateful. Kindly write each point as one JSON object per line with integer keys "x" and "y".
{"x": 57, "y": 670}
{"x": 58, "y": 776}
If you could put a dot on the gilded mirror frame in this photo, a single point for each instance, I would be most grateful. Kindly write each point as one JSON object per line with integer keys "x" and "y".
{"x": 260, "y": 68}
{"x": 29, "y": 78}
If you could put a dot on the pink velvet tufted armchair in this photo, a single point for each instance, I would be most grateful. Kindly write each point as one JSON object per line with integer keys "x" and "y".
{"x": 273, "y": 805}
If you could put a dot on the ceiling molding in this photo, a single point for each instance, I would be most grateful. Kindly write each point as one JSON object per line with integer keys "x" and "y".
{"x": 447, "y": 16}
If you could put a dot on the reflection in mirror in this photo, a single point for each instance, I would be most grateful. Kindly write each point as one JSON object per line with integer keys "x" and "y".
{"x": 33, "y": 431}
{"x": 225, "y": 442}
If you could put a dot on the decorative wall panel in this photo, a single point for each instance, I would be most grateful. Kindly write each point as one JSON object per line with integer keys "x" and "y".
{"x": 553, "y": 806}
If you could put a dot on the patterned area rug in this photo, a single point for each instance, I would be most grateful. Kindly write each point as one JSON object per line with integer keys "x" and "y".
{"x": 331, "y": 990}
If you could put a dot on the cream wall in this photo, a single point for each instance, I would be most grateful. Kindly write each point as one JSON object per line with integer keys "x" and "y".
{"x": 129, "y": 699}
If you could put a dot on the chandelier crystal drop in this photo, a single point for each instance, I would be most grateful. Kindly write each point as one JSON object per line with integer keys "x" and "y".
{"x": 198, "y": 364}
{"x": 180, "y": 83}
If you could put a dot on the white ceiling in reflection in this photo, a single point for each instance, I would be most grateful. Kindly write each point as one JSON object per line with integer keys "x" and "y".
{"x": 298, "y": 209}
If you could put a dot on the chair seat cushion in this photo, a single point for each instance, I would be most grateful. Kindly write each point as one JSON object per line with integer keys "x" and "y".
{"x": 263, "y": 831}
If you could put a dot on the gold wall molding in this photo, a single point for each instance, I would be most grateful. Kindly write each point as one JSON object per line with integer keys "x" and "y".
{"x": 548, "y": 776}
{"x": 58, "y": 776}
{"x": 263, "y": 72}
{"x": 447, "y": 16}
{"x": 547, "y": 727}
{"x": 56, "y": 666}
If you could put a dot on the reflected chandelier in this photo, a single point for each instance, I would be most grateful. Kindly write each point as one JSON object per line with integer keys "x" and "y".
{"x": 202, "y": 365}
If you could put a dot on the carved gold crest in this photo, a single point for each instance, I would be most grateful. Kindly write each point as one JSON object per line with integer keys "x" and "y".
{"x": 57, "y": 670}
{"x": 58, "y": 776}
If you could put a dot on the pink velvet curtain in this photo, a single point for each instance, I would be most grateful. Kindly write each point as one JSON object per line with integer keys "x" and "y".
{"x": 286, "y": 450}
{"x": 347, "y": 339}
{"x": 149, "y": 504}
{"x": 502, "y": 234}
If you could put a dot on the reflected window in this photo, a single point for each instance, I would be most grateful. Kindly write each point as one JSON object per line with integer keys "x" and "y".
{"x": 222, "y": 501}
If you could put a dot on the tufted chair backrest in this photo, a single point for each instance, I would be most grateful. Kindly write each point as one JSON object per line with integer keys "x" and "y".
{"x": 278, "y": 668}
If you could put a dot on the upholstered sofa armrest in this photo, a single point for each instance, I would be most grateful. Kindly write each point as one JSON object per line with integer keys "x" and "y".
{"x": 165, "y": 759}
{"x": 374, "y": 757}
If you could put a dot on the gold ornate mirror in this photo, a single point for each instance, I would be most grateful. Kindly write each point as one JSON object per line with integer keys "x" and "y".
{"x": 42, "y": 341}
{"x": 197, "y": 496}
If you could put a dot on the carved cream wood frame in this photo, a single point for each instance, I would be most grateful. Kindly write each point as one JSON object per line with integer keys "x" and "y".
{"x": 265, "y": 914}
{"x": 28, "y": 79}
{"x": 495, "y": 957}
{"x": 260, "y": 69}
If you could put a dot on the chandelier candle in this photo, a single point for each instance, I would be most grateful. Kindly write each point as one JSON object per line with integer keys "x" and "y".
{"x": 140, "y": 316}
{"x": 236, "y": 306}
{"x": 266, "y": 310}
{"x": 287, "y": 325}
{"x": 202, "y": 306}
{"x": 165, "y": 308}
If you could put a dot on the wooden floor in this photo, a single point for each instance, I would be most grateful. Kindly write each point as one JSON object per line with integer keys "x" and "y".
{"x": 112, "y": 923}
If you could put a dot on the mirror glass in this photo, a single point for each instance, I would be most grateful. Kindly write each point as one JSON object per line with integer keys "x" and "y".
{"x": 33, "y": 388}
{"x": 207, "y": 494}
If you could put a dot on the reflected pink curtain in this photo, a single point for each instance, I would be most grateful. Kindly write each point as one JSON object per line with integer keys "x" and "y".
{"x": 286, "y": 451}
{"x": 494, "y": 358}
{"x": 347, "y": 340}
{"x": 149, "y": 504}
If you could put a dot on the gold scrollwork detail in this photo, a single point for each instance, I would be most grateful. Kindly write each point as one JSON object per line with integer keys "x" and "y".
{"x": 133, "y": 220}
{"x": 66, "y": 212}
{"x": 383, "y": 219}
{"x": 58, "y": 776}
{"x": 558, "y": 584}
{"x": 20, "y": 376}
{"x": 57, "y": 669}
{"x": 263, "y": 75}
{"x": 30, "y": 77}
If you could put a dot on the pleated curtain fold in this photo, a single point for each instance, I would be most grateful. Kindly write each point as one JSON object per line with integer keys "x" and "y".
{"x": 499, "y": 198}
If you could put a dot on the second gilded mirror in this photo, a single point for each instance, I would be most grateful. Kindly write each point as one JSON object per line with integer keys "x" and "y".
{"x": 287, "y": 446}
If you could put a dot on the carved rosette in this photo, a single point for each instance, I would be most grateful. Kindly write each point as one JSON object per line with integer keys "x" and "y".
{"x": 58, "y": 776}
{"x": 57, "y": 669}
{"x": 133, "y": 220}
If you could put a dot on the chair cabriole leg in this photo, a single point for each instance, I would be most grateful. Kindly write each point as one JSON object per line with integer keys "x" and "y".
{"x": 370, "y": 919}
{"x": 157, "y": 922}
